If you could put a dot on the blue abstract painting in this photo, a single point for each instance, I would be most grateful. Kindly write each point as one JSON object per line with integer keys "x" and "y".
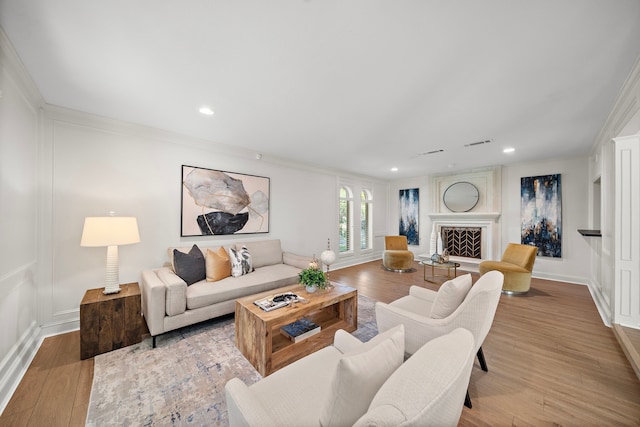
{"x": 541, "y": 214}
{"x": 409, "y": 207}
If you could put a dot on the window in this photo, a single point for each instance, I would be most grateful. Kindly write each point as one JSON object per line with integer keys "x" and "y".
{"x": 366, "y": 210}
{"x": 346, "y": 207}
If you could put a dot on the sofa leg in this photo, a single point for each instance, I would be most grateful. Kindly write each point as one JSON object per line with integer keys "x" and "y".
{"x": 154, "y": 341}
{"x": 483, "y": 363}
{"x": 467, "y": 400}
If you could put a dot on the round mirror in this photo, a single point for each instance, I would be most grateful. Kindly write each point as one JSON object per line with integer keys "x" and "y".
{"x": 461, "y": 197}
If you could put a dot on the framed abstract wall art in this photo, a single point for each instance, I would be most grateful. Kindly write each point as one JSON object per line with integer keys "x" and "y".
{"x": 541, "y": 214}
{"x": 409, "y": 210}
{"x": 216, "y": 202}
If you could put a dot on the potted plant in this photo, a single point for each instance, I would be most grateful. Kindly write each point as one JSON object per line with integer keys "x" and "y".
{"x": 313, "y": 278}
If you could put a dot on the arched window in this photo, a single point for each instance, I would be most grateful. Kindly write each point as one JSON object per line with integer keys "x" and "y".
{"x": 346, "y": 220}
{"x": 366, "y": 211}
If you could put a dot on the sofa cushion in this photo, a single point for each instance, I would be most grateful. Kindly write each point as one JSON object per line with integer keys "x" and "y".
{"x": 189, "y": 267}
{"x": 263, "y": 252}
{"x": 450, "y": 296}
{"x": 298, "y": 261}
{"x": 202, "y": 294}
{"x": 218, "y": 264}
{"x": 358, "y": 376}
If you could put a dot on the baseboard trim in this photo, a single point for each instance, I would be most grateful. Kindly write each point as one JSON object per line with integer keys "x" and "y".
{"x": 16, "y": 363}
{"x": 628, "y": 348}
{"x": 603, "y": 308}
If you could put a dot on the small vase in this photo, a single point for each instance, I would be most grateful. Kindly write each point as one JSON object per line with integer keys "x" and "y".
{"x": 445, "y": 255}
{"x": 311, "y": 288}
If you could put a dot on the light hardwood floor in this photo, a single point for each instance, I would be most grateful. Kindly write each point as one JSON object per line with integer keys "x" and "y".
{"x": 551, "y": 362}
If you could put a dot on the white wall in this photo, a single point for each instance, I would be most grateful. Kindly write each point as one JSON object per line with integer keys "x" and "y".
{"x": 423, "y": 183}
{"x": 623, "y": 120}
{"x": 98, "y": 165}
{"x": 59, "y": 166}
{"x": 19, "y": 115}
{"x": 575, "y": 215}
{"x": 575, "y": 248}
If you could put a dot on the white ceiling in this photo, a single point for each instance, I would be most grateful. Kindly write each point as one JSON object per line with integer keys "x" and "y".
{"x": 358, "y": 85}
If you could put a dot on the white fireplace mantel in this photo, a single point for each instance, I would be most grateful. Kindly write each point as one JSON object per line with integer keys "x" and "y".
{"x": 465, "y": 216}
{"x": 487, "y": 221}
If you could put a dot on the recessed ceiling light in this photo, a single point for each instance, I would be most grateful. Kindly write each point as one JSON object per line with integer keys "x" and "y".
{"x": 206, "y": 111}
{"x": 394, "y": 169}
{"x": 509, "y": 150}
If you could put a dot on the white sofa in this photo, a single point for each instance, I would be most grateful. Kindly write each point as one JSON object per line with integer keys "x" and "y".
{"x": 168, "y": 303}
{"x": 361, "y": 384}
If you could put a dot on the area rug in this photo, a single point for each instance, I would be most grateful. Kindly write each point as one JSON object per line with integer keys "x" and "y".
{"x": 181, "y": 381}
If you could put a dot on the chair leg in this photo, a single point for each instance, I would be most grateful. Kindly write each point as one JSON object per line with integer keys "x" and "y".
{"x": 483, "y": 363}
{"x": 467, "y": 400}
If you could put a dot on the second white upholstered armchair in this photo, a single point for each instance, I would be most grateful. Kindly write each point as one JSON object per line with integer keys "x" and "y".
{"x": 428, "y": 314}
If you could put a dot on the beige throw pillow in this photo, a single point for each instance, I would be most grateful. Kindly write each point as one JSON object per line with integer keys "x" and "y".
{"x": 218, "y": 265}
{"x": 358, "y": 377}
{"x": 450, "y": 296}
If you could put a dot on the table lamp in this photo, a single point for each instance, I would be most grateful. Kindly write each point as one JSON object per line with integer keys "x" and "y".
{"x": 328, "y": 257}
{"x": 110, "y": 231}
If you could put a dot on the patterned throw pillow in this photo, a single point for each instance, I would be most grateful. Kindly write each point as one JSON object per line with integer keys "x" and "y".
{"x": 189, "y": 267}
{"x": 241, "y": 263}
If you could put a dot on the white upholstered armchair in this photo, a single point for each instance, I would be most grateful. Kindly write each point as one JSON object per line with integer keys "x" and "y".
{"x": 427, "y": 314}
{"x": 354, "y": 383}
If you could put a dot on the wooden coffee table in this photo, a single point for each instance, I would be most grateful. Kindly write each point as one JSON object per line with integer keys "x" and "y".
{"x": 258, "y": 335}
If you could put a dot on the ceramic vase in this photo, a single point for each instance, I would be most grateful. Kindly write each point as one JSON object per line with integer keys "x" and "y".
{"x": 433, "y": 248}
{"x": 311, "y": 289}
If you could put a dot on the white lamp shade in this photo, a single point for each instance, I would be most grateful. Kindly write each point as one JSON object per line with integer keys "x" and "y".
{"x": 109, "y": 231}
{"x": 328, "y": 257}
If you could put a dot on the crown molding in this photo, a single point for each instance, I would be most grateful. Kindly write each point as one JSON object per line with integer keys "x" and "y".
{"x": 10, "y": 61}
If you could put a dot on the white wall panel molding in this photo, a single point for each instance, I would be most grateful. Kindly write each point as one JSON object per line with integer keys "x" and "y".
{"x": 16, "y": 362}
{"x": 20, "y": 112}
{"x": 627, "y": 231}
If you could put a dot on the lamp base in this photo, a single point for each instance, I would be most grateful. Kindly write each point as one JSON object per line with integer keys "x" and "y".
{"x": 108, "y": 291}
{"x": 112, "y": 279}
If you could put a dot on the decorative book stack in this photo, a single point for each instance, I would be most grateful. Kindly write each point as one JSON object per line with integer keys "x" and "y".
{"x": 300, "y": 329}
{"x": 268, "y": 304}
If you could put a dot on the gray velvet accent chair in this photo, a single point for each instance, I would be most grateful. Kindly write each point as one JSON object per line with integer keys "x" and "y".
{"x": 428, "y": 314}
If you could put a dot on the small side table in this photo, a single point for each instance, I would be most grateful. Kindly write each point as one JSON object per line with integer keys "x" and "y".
{"x": 434, "y": 265}
{"x": 109, "y": 322}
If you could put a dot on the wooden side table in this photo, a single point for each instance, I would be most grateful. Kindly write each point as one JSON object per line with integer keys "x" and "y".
{"x": 109, "y": 322}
